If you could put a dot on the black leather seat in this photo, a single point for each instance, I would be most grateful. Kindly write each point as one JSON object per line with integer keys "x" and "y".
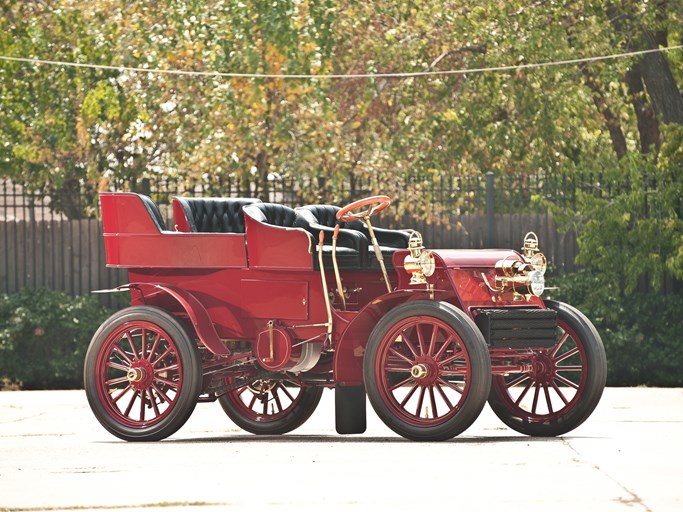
{"x": 324, "y": 216}
{"x": 153, "y": 211}
{"x": 350, "y": 246}
{"x": 215, "y": 215}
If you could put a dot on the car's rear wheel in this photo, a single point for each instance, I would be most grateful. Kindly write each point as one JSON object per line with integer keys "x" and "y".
{"x": 142, "y": 374}
{"x": 271, "y": 407}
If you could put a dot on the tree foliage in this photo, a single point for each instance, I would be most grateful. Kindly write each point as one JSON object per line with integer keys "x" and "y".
{"x": 66, "y": 128}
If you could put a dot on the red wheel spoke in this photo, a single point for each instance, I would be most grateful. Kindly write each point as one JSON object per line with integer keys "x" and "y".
{"x": 444, "y": 397}
{"x": 239, "y": 391}
{"x": 419, "y": 402}
{"x": 569, "y": 368}
{"x": 432, "y": 341}
{"x": 123, "y": 392}
{"x": 118, "y": 350}
{"x": 444, "y": 345}
{"x": 143, "y": 401}
{"x": 400, "y": 384}
{"x": 524, "y": 392}
{"x": 154, "y": 403}
{"x": 420, "y": 340}
{"x": 398, "y": 369}
{"x": 286, "y": 392}
{"x": 517, "y": 380}
{"x": 166, "y": 352}
{"x": 118, "y": 366}
{"x": 535, "y": 403}
{"x": 277, "y": 399}
{"x": 409, "y": 395}
{"x": 566, "y": 382}
{"x": 450, "y": 385}
{"x": 130, "y": 404}
{"x": 264, "y": 400}
{"x": 398, "y": 354}
{"x": 166, "y": 368}
{"x": 567, "y": 355}
{"x": 169, "y": 383}
{"x": 253, "y": 401}
{"x": 153, "y": 350}
{"x": 401, "y": 356}
{"x": 408, "y": 343}
{"x": 547, "y": 398}
{"x": 559, "y": 392}
{"x": 132, "y": 345}
{"x": 163, "y": 395}
{"x": 143, "y": 341}
{"x": 557, "y": 347}
{"x": 433, "y": 402}
{"x": 455, "y": 356}
{"x": 120, "y": 380}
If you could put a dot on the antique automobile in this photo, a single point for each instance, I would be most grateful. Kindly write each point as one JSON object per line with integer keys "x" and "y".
{"x": 260, "y": 307}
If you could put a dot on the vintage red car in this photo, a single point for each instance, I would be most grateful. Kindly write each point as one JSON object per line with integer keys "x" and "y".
{"x": 261, "y": 307}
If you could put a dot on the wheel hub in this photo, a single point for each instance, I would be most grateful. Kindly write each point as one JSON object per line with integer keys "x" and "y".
{"x": 543, "y": 369}
{"x": 425, "y": 371}
{"x": 136, "y": 375}
{"x": 140, "y": 375}
{"x": 419, "y": 371}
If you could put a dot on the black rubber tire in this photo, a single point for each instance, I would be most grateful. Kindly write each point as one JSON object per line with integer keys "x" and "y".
{"x": 187, "y": 394}
{"x": 306, "y": 404}
{"x": 471, "y": 341}
{"x": 578, "y": 410}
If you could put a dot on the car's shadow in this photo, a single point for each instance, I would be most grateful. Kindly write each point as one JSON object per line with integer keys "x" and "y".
{"x": 360, "y": 439}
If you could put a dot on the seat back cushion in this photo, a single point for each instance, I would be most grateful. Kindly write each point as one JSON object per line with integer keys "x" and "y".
{"x": 153, "y": 211}
{"x": 215, "y": 215}
{"x": 276, "y": 215}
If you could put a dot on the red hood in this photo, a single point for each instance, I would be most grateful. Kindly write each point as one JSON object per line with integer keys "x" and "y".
{"x": 464, "y": 258}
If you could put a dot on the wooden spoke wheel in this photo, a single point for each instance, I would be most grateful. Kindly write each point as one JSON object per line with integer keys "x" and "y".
{"x": 564, "y": 385}
{"x": 142, "y": 374}
{"x": 271, "y": 407}
{"x": 427, "y": 370}
{"x": 371, "y": 206}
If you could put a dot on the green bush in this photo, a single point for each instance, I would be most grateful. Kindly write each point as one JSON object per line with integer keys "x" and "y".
{"x": 44, "y": 336}
{"x": 641, "y": 331}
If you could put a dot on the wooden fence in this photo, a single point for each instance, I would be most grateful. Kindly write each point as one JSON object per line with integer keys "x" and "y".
{"x": 69, "y": 255}
{"x": 59, "y": 255}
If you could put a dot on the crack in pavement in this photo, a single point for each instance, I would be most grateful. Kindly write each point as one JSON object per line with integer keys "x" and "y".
{"x": 634, "y": 498}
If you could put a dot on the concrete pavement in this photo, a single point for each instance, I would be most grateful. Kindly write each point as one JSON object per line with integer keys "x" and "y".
{"x": 626, "y": 457}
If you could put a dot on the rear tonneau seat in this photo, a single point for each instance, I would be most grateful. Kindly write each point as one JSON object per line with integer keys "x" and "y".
{"x": 135, "y": 236}
{"x": 210, "y": 214}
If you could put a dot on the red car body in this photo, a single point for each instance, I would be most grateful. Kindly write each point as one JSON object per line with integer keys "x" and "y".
{"x": 266, "y": 331}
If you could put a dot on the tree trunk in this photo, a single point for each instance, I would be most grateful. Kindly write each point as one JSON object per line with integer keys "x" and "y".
{"x": 660, "y": 83}
{"x": 648, "y": 125}
{"x": 611, "y": 119}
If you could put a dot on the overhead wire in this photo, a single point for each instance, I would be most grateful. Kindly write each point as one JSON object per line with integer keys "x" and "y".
{"x": 285, "y": 76}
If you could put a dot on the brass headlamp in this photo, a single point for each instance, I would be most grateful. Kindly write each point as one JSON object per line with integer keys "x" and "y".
{"x": 527, "y": 272}
{"x": 419, "y": 263}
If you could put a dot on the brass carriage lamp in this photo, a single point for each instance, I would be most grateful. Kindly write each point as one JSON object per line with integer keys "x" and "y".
{"x": 419, "y": 263}
{"x": 532, "y": 254}
{"x": 513, "y": 273}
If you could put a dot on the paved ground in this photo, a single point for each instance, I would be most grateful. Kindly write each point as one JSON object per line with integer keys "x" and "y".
{"x": 626, "y": 457}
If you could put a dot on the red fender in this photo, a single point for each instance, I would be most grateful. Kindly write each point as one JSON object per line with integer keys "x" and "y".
{"x": 349, "y": 351}
{"x": 195, "y": 311}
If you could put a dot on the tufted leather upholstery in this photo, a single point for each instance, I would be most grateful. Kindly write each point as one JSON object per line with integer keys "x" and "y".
{"x": 215, "y": 215}
{"x": 276, "y": 215}
{"x": 153, "y": 211}
{"x": 351, "y": 246}
{"x": 389, "y": 240}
